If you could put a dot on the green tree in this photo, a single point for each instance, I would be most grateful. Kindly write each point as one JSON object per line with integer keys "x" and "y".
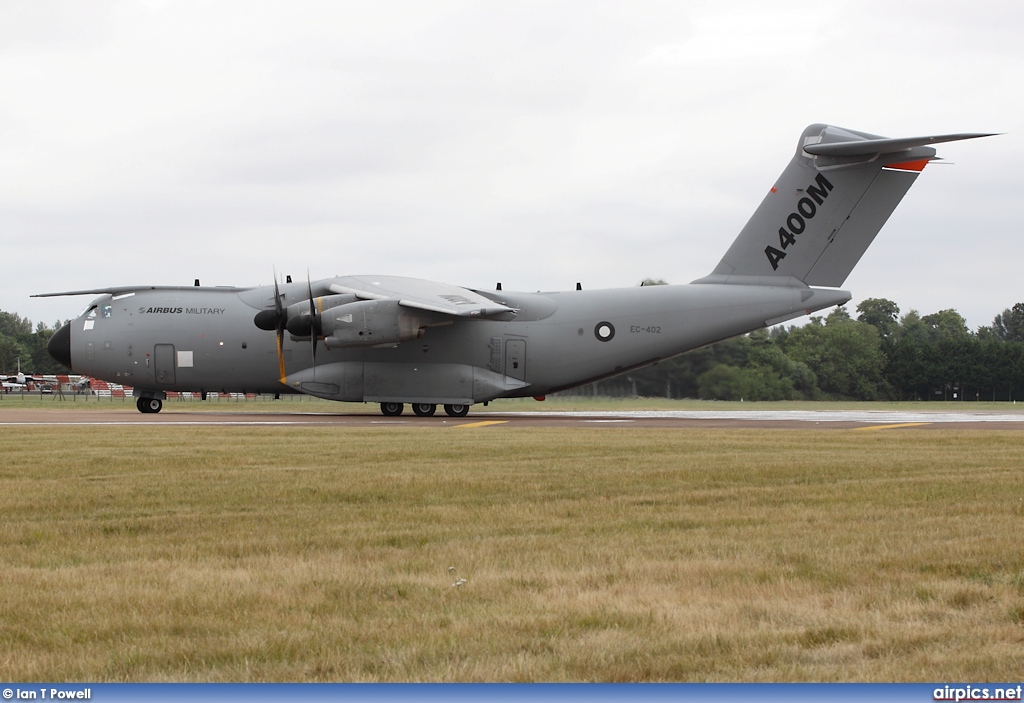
{"x": 946, "y": 323}
{"x": 11, "y": 351}
{"x": 725, "y": 382}
{"x": 950, "y": 353}
{"x": 721, "y": 382}
{"x": 677, "y": 377}
{"x": 844, "y": 354}
{"x": 881, "y": 314}
{"x": 19, "y": 343}
{"x": 14, "y": 326}
{"x": 1009, "y": 324}
{"x": 799, "y": 379}
{"x": 908, "y": 358}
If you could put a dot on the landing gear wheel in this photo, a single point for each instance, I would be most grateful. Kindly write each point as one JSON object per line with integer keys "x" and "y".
{"x": 149, "y": 405}
{"x": 392, "y": 409}
{"x": 457, "y": 410}
{"x": 424, "y": 409}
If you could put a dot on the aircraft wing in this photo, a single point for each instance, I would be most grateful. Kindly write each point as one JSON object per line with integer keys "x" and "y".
{"x": 22, "y": 380}
{"x": 424, "y": 295}
{"x": 122, "y": 290}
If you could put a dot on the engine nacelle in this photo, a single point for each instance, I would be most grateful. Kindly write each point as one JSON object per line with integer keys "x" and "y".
{"x": 299, "y": 321}
{"x": 370, "y": 323}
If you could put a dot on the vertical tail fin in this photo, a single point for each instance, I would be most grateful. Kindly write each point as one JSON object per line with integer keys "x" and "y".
{"x": 826, "y": 208}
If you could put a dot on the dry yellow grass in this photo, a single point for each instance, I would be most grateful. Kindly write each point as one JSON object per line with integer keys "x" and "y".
{"x": 561, "y": 403}
{"x": 240, "y": 554}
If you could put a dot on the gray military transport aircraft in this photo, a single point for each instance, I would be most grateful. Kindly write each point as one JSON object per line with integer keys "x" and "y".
{"x": 394, "y": 340}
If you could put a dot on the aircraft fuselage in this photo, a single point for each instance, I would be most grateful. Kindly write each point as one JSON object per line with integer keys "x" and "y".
{"x": 204, "y": 339}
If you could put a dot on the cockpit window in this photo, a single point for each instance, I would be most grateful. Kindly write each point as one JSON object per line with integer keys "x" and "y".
{"x": 107, "y": 310}
{"x": 90, "y": 312}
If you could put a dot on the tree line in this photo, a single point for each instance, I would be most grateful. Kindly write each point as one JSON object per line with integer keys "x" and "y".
{"x": 879, "y": 355}
{"x": 20, "y": 341}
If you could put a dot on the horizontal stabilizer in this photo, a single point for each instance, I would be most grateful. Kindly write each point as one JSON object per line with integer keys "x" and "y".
{"x": 867, "y": 147}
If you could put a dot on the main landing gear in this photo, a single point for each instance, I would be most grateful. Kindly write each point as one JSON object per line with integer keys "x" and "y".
{"x": 457, "y": 410}
{"x": 149, "y": 405}
{"x": 422, "y": 409}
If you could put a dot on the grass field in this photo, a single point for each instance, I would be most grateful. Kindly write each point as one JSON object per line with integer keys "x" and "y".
{"x": 149, "y": 553}
{"x": 305, "y": 403}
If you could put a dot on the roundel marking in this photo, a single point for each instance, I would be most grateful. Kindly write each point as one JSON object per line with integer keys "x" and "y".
{"x": 604, "y": 331}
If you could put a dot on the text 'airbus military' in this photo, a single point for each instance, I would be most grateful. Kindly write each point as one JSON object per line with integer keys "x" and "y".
{"x": 397, "y": 341}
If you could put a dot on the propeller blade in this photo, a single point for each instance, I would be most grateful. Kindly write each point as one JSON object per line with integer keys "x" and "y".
{"x": 279, "y": 311}
{"x": 281, "y": 321}
{"x": 313, "y": 332}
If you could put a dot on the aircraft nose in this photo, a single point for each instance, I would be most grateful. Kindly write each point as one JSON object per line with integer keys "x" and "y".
{"x": 59, "y": 346}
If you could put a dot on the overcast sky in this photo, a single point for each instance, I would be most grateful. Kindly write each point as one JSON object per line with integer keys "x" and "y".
{"x": 533, "y": 143}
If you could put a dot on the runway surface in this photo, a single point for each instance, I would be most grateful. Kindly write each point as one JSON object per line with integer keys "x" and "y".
{"x": 668, "y": 419}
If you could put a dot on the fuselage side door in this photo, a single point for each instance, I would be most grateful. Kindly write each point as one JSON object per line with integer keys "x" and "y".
{"x": 515, "y": 358}
{"x": 163, "y": 364}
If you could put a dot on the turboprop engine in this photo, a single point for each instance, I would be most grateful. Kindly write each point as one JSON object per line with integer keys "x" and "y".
{"x": 345, "y": 321}
{"x": 304, "y": 318}
{"x": 370, "y": 323}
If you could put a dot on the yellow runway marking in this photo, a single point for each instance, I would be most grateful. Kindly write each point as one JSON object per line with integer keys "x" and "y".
{"x": 890, "y": 427}
{"x": 485, "y": 423}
